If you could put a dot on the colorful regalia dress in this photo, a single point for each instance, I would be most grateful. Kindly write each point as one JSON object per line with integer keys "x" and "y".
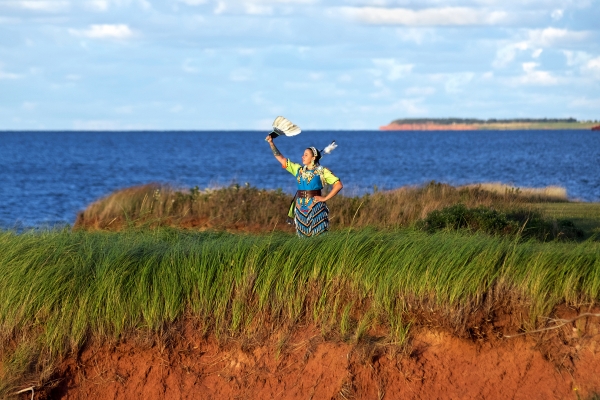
{"x": 310, "y": 218}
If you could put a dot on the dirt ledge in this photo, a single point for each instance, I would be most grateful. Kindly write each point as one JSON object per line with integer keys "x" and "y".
{"x": 558, "y": 364}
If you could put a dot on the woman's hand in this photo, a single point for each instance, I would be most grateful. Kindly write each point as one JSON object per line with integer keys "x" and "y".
{"x": 336, "y": 188}
{"x": 269, "y": 139}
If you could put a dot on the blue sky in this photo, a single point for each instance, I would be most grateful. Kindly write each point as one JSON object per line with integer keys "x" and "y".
{"x": 205, "y": 64}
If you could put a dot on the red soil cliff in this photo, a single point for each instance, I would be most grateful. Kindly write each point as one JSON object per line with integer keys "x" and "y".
{"x": 183, "y": 364}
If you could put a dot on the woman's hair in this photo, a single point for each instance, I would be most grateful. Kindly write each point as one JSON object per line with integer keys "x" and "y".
{"x": 316, "y": 153}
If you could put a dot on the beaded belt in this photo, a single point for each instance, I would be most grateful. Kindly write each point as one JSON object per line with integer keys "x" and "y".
{"x": 305, "y": 194}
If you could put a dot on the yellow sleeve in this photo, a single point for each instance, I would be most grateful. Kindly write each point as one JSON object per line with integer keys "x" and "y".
{"x": 292, "y": 167}
{"x": 329, "y": 177}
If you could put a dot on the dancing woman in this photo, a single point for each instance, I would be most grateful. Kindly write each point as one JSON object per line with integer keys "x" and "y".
{"x": 310, "y": 212}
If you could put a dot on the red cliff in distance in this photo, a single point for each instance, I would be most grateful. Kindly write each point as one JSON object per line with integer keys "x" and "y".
{"x": 596, "y": 128}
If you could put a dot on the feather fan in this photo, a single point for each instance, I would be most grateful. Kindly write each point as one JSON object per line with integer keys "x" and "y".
{"x": 283, "y": 126}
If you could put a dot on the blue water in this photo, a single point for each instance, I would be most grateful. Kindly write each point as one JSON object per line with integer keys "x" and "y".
{"x": 47, "y": 177}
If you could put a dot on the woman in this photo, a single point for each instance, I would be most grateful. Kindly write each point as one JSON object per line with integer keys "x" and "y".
{"x": 311, "y": 215}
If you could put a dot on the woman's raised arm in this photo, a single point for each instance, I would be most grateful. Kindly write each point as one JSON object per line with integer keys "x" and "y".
{"x": 282, "y": 160}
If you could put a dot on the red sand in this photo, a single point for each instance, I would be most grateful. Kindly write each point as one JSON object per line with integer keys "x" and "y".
{"x": 559, "y": 364}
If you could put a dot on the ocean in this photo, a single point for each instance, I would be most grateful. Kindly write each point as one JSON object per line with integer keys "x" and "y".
{"x": 47, "y": 177}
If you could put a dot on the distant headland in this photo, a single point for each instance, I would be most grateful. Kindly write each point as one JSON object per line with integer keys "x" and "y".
{"x": 473, "y": 124}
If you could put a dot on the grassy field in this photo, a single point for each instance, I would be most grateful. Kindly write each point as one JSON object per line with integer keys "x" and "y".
{"x": 392, "y": 261}
{"x": 585, "y": 215}
{"x": 250, "y": 209}
{"x": 484, "y": 126}
{"x": 538, "y": 126}
{"x": 61, "y": 288}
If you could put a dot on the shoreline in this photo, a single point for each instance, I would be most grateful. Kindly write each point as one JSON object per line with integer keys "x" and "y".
{"x": 431, "y": 126}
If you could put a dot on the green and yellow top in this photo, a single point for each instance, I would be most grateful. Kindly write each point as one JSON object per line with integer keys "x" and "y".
{"x": 305, "y": 177}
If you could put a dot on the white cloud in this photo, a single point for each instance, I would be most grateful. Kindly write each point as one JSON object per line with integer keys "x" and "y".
{"x": 410, "y": 106}
{"x": 584, "y": 102}
{"x": 557, "y": 14}
{"x": 145, "y": 4}
{"x": 552, "y": 37}
{"x": 420, "y": 91}
{"x": 592, "y": 67}
{"x": 537, "y": 40}
{"x": 104, "y": 5}
{"x": 253, "y": 7}
{"x": 535, "y": 77}
{"x": 456, "y": 82}
{"x": 594, "y": 64}
{"x": 575, "y": 58}
{"x": 8, "y": 75}
{"x": 506, "y": 54}
{"x": 382, "y": 92}
{"x": 257, "y": 9}
{"x": 425, "y": 17}
{"x": 192, "y": 2}
{"x": 530, "y": 66}
{"x": 105, "y": 31}
{"x": 391, "y": 68}
{"x": 416, "y": 35}
{"x": 97, "y": 5}
{"x": 40, "y": 5}
{"x": 220, "y": 8}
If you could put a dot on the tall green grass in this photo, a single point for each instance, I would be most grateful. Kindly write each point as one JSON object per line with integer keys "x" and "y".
{"x": 61, "y": 288}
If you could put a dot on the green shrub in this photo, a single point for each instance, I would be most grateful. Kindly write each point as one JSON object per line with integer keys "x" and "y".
{"x": 525, "y": 223}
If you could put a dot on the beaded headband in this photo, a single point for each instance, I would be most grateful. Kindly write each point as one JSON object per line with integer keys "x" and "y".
{"x": 314, "y": 151}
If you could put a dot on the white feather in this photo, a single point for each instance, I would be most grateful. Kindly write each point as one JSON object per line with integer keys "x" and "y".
{"x": 286, "y": 126}
{"x": 330, "y": 148}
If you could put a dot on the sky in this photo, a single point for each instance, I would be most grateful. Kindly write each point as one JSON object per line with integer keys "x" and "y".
{"x": 229, "y": 64}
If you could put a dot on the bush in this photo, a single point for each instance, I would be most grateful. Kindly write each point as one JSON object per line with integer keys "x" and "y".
{"x": 526, "y": 223}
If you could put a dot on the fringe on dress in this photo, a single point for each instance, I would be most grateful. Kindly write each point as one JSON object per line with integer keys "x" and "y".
{"x": 311, "y": 219}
